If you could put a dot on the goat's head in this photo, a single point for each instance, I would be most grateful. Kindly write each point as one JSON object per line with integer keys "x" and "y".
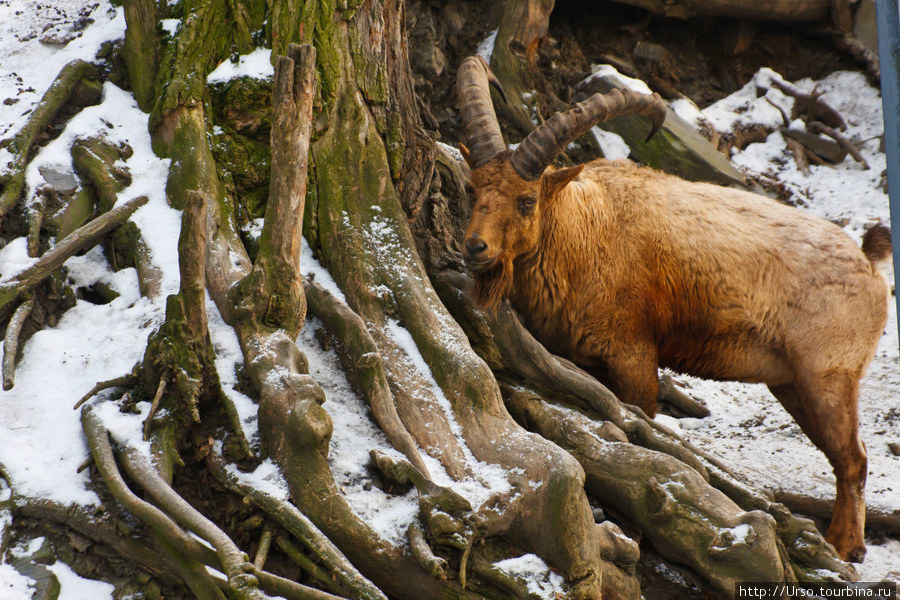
{"x": 511, "y": 189}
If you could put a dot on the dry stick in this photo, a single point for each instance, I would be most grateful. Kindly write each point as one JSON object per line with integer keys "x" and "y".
{"x": 35, "y": 219}
{"x": 262, "y": 552}
{"x": 308, "y": 565}
{"x": 53, "y": 99}
{"x": 157, "y": 520}
{"x": 11, "y": 343}
{"x": 123, "y": 381}
{"x": 818, "y": 127}
{"x": 82, "y": 238}
{"x": 341, "y": 321}
{"x": 812, "y": 104}
{"x": 289, "y": 516}
{"x": 154, "y": 406}
{"x": 85, "y": 464}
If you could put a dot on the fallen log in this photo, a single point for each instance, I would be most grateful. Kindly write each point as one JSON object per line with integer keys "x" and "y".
{"x": 761, "y": 10}
{"x": 81, "y": 239}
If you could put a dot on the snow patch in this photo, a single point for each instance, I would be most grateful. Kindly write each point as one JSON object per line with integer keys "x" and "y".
{"x": 486, "y": 48}
{"x": 257, "y": 64}
{"x": 541, "y": 581}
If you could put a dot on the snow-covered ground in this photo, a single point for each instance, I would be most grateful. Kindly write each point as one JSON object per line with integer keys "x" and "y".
{"x": 42, "y": 443}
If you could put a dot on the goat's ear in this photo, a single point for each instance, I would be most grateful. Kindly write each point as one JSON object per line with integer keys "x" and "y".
{"x": 557, "y": 180}
{"x": 466, "y": 154}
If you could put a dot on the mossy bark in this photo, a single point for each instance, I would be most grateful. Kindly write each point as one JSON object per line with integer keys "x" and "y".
{"x": 141, "y": 50}
{"x": 362, "y": 236}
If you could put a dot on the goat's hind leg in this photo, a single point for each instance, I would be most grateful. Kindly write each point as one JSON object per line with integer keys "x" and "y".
{"x": 825, "y": 407}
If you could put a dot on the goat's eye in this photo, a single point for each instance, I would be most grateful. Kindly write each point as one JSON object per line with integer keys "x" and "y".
{"x": 526, "y": 205}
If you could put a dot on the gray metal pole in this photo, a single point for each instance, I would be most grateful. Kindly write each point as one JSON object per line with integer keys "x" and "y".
{"x": 888, "y": 18}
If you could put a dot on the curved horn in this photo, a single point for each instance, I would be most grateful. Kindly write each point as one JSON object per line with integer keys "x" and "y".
{"x": 479, "y": 119}
{"x": 544, "y": 143}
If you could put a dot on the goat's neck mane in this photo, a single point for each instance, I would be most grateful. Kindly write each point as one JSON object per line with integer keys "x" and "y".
{"x": 492, "y": 286}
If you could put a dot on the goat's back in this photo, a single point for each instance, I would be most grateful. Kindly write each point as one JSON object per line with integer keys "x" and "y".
{"x": 729, "y": 284}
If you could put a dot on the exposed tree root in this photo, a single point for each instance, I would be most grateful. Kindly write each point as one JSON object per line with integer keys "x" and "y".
{"x": 243, "y": 584}
{"x": 686, "y": 519}
{"x": 68, "y": 83}
{"x": 670, "y": 393}
{"x": 315, "y": 571}
{"x": 11, "y": 343}
{"x": 81, "y": 239}
{"x": 167, "y": 530}
{"x": 95, "y": 161}
{"x": 367, "y": 365}
{"x": 288, "y": 516}
{"x": 824, "y": 508}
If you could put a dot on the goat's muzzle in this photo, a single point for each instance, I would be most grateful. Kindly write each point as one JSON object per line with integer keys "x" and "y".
{"x": 476, "y": 254}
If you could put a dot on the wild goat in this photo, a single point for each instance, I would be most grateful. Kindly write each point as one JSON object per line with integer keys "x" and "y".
{"x": 623, "y": 269}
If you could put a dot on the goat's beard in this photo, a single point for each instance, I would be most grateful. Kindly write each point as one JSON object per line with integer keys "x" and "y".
{"x": 493, "y": 285}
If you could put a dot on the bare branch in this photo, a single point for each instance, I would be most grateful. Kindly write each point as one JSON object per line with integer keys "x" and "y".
{"x": 818, "y": 127}
{"x": 123, "y": 381}
{"x": 154, "y": 406}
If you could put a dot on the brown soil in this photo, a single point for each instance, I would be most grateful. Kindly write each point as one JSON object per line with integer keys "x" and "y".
{"x": 703, "y": 59}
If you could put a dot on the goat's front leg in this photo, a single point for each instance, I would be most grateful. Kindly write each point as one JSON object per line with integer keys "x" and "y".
{"x": 629, "y": 369}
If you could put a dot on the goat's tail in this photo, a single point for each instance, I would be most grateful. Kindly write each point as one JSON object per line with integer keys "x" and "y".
{"x": 876, "y": 244}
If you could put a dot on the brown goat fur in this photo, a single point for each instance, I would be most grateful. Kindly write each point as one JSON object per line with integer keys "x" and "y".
{"x": 624, "y": 269}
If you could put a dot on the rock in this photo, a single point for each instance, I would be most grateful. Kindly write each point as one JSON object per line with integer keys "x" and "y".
{"x": 677, "y": 148}
{"x": 894, "y": 447}
{"x": 648, "y": 51}
{"x": 63, "y": 182}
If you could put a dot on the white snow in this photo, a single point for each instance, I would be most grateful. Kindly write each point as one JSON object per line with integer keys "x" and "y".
{"x": 257, "y": 64}
{"x": 355, "y": 435}
{"x": 74, "y": 587}
{"x": 486, "y": 48}
{"x": 612, "y": 144}
{"x": 609, "y": 72}
{"x": 541, "y": 581}
{"x": 30, "y": 66}
{"x": 14, "y": 585}
{"x": 43, "y": 443}
{"x": 228, "y": 358}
